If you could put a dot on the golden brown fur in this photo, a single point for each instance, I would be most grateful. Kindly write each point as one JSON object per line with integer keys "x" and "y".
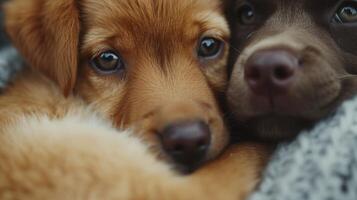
{"x": 157, "y": 41}
{"x": 56, "y": 139}
{"x": 68, "y": 151}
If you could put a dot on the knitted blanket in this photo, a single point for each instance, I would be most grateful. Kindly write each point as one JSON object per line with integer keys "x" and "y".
{"x": 320, "y": 164}
{"x": 10, "y": 63}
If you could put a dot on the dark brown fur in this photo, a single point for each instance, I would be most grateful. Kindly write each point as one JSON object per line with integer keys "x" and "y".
{"x": 328, "y": 56}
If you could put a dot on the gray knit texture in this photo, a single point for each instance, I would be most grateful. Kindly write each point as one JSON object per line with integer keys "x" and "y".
{"x": 10, "y": 63}
{"x": 320, "y": 164}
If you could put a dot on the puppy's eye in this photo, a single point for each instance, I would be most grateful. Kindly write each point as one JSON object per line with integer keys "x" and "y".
{"x": 346, "y": 13}
{"x": 246, "y": 15}
{"x": 108, "y": 62}
{"x": 209, "y": 47}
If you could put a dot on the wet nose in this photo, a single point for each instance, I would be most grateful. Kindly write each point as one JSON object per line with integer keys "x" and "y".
{"x": 187, "y": 142}
{"x": 270, "y": 72}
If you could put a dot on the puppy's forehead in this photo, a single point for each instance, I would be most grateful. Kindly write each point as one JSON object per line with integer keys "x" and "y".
{"x": 155, "y": 19}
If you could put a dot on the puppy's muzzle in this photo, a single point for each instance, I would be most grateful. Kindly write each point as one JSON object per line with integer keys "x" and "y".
{"x": 189, "y": 133}
{"x": 270, "y": 72}
{"x": 187, "y": 142}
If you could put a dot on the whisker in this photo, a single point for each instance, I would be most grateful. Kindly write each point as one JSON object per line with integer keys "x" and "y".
{"x": 235, "y": 49}
{"x": 347, "y": 76}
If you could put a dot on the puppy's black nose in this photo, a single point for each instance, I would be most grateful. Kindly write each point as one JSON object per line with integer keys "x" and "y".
{"x": 187, "y": 142}
{"x": 270, "y": 72}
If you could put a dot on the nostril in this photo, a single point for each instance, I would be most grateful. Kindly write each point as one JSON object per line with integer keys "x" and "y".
{"x": 202, "y": 149}
{"x": 178, "y": 148}
{"x": 202, "y": 145}
{"x": 282, "y": 73}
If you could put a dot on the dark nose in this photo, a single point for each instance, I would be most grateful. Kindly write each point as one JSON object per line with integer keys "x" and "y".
{"x": 271, "y": 72}
{"x": 187, "y": 142}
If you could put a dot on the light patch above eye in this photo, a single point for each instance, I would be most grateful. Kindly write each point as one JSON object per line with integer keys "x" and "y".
{"x": 346, "y": 13}
{"x": 214, "y": 24}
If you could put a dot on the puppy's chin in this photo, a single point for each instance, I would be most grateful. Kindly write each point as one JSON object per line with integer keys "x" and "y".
{"x": 153, "y": 141}
{"x": 273, "y": 128}
{"x": 177, "y": 167}
{"x": 262, "y": 122}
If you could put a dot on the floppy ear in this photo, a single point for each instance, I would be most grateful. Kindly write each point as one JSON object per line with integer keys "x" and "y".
{"x": 46, "y": 32}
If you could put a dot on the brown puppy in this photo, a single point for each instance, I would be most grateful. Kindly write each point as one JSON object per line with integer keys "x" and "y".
{"x": 154, "y": 64}
{"x": 151, "y": 64}
{"x": 80, "y": 156}
{"x": 292, "y": 63}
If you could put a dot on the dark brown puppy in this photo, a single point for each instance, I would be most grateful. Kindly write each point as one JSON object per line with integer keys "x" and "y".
{"x": 292, "y": 62}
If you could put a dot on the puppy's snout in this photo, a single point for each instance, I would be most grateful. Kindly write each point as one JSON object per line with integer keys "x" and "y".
{"x": 187, "y": 142}
{"x": 270, "y": 72}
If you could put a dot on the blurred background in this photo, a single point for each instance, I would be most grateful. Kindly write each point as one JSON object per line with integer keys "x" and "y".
{"x": 10, "y": 60}
{"x": 3, "y": 40}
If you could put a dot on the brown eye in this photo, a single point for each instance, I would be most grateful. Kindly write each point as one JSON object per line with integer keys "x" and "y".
{"x": 108, "y": 62}
{"x": 209, "y": 47}
{"x": 346, "y": 13}
{"x": 246, "y": 15}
